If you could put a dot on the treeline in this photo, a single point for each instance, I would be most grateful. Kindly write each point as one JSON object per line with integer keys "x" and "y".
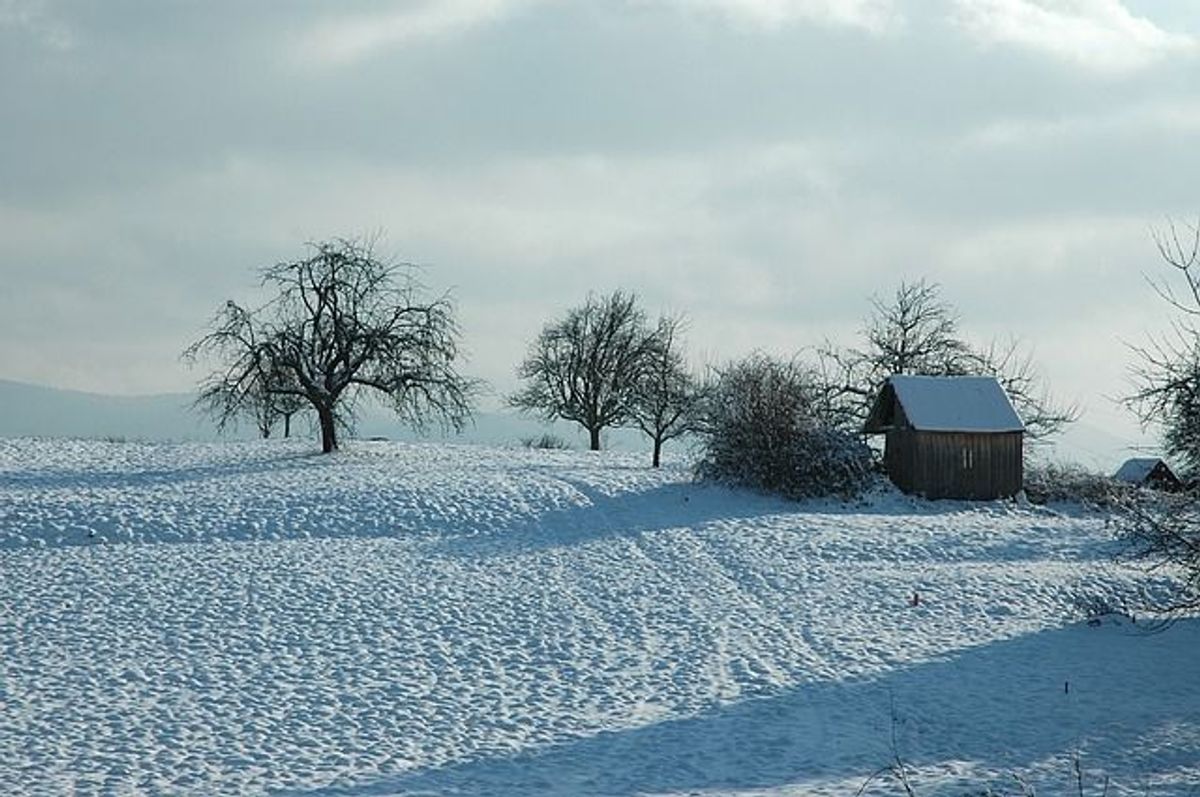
{"x": 342, "y": 324}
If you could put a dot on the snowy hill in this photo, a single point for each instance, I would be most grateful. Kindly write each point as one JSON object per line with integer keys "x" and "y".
{"x": 436, "y": 619}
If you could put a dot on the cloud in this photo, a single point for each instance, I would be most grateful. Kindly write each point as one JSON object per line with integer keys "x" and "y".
{"x": 32, "y": 18}
{"x": 350, "y": 38}
{"x": 1099, "y": 35}
{"x": 875, "y": 16}
{"x": 1155, "y": 118}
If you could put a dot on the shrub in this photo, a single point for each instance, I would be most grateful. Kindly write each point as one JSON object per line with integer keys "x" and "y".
{"x": 762, "y": 428}
{"x": 546, "y": 441}
{"x": 1059, "y": 482}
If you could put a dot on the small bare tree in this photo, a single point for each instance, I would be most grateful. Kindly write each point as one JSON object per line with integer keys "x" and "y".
{"x": 586, "y": 366}
{"x": 265, "y": 402}
{"x": 667, "y": 394}
{"x": 286, "y": 407}
{"x": 342, "y": 322}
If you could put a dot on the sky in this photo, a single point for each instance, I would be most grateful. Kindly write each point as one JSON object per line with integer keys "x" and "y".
{"x": 762, "y": 166}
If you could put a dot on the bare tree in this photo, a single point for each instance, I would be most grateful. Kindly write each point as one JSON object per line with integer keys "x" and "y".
{"x": 258, "y": 395}
{"x": 1160, "y": 529}
{"x": 265, "y": 403}
{"x": 667, "y": 394}
{"x": 342, "y": 323}
{"x": 586, "y": 366}
{"x": 262, "y": 407}
{"x": 913, "y": 332}
{"x": 1166, "y": 376}
{"x": 287, "y": 406}
{"x": 917, "y": 332}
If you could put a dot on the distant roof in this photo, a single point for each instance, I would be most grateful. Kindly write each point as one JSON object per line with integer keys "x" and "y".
{"x": 1136, "y": 470}
{"x": 946, "y": 404}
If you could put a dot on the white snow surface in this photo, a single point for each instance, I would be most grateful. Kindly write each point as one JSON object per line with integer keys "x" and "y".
{"x": 956, "y": 404}
{"x": 438, "y": 620}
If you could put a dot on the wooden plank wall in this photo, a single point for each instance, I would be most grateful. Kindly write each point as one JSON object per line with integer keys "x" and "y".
{"x": 955, "y": 464}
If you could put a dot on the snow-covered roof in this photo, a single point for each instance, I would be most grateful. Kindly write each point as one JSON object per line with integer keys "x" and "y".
{"x": 1137, "y": 470}
{"x": 947, "y": 404}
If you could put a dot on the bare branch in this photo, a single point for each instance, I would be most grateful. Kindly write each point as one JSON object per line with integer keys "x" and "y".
{"x": 1165, "y": 379}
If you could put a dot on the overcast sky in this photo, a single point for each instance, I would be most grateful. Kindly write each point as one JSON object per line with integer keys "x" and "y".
{"x": 763, "y": 166}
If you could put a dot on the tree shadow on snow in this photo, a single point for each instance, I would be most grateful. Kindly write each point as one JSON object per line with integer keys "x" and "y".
{"x": 677, "y": 505}
{"x": 1011, "y": 705}
{"x": 601, "y": 516}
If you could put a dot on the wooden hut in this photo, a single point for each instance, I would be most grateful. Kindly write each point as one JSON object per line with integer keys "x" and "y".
{"x": 949, "y": 436}
{"x": 1149, "y": 472}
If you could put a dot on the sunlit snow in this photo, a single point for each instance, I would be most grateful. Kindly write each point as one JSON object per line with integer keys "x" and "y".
{"x": 432, "y": 619}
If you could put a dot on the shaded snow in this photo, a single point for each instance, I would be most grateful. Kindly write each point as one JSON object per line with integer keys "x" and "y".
{"x": 407, "y": 619}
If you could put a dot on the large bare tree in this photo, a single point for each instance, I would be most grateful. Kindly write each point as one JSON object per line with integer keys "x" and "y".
{"x": 342, "y": 323}
{"x": 915, "y": 331}
{"x": 1166, "y": 375}
{"x": 1165, "y": 530}
{"x": 586, "y": 366}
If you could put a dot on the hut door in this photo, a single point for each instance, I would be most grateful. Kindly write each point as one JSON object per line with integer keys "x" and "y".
{"x": 964, "y": 479}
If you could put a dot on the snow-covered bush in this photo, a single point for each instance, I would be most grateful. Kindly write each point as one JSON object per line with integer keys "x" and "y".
{"x": 548, "y": 441}
{"x": 1056, "y": 482}
{"x": 763, "y": 428}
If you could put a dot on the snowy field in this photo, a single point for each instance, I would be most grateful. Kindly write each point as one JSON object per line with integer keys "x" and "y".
{"x": 439, "y": 620}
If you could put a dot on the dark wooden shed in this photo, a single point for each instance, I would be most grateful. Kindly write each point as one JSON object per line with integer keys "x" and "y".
{"x": 1150, "y": 472}
{"x": 950, "y": 436}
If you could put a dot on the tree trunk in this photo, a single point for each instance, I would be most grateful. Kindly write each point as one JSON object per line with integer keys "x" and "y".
{"x": 595, "y": 438}
{"x": 287, "y": 424}
{"x": 328, "y": 429}
{"x": 657, "y": 451}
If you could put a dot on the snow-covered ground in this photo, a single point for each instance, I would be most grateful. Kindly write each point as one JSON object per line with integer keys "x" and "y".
{"x": 427, "y": 620}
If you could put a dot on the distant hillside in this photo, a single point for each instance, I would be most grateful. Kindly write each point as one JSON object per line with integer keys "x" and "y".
{"x": 33, "y": 410}
{"x": 37, "y": 411}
